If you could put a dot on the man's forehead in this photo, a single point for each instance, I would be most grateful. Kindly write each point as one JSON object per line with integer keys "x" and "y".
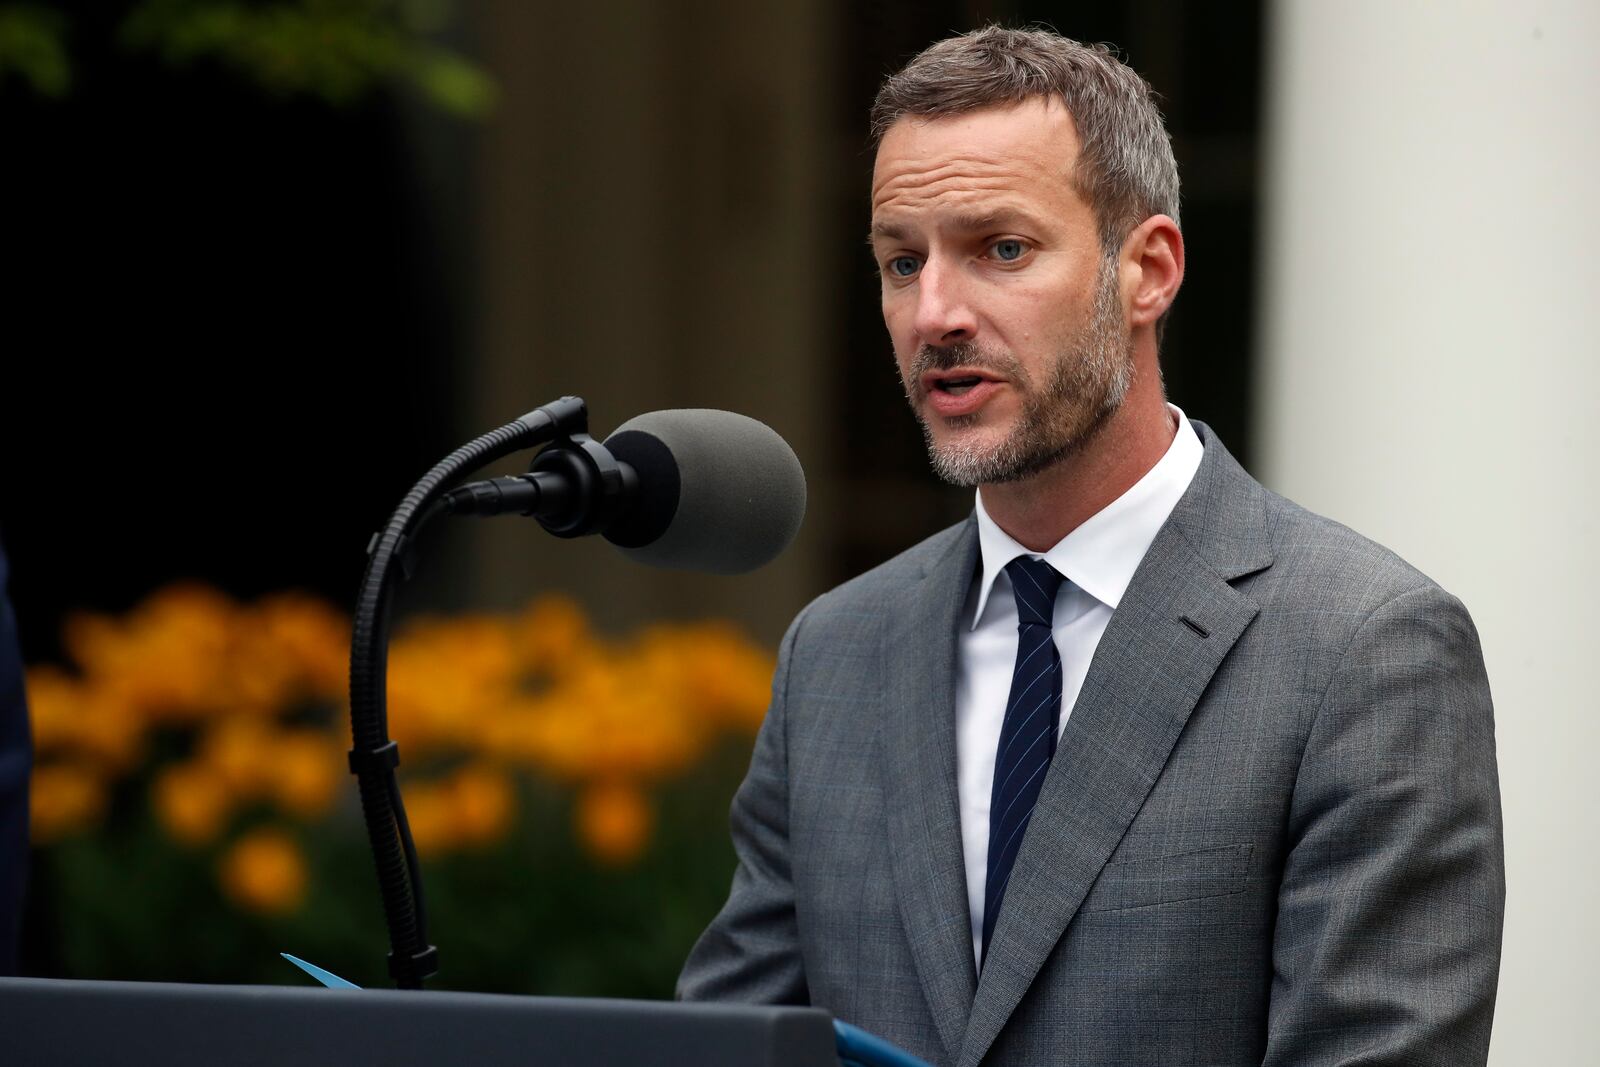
{"x": 1039, "y": 127}
{"x": 969, "y": 161}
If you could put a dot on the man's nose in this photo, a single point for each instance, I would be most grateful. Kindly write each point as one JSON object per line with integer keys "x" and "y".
{"x": 944, "y": 310}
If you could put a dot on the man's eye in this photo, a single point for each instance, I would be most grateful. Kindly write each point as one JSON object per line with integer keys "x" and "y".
{"x": 1008, "y": 250}
{"x": 903, "y": 266}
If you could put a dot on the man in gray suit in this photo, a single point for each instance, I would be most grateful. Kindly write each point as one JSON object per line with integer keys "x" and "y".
{"x": 1142, "y": 764}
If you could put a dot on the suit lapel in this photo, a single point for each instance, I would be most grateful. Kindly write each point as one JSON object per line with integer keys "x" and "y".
{"x": 1148, "y": 672}
{"x": 917, "y": 739}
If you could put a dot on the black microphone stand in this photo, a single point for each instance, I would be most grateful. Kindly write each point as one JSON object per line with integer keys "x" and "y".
{"x": 373, "y": 756}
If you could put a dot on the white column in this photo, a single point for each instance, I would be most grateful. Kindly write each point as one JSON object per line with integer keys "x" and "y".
{"x": 1427, "y": 374}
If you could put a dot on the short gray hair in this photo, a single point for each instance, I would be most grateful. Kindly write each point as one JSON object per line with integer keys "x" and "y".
{"x": 1125, "y": 169}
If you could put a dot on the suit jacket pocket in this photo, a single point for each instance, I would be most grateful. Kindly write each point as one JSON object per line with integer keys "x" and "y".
{"x": 1139, "y": 883}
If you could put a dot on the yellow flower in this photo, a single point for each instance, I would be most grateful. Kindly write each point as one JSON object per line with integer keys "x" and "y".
{"x": 720, "y": 671}
{"x": 71, "y": 717}
{"x": 515, "y": 733}
{"x": 64, "y": 798}
{"x": 238, "y": 748}
{"x": 265, "y": 872}
{"x": 430, "y": 815}
{"x": 616, "y": 717}
{"x": 613, "y": 822}
{"x": 259, "y": 679}
{"x": 483, "y": 804}
{"x": 192, "y": 802}
{"x": 304, "y": 769}
{"x": 446, "y": 678}
{"x": 470, "y": 809}
{"x": 551, "y": 635}
{"x": 312, "y": 638}
{"x": 55, "y": 701}
{"x": 167, "y": 659}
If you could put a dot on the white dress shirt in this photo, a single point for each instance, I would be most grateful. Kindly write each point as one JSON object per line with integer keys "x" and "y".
{"x": 1098, "y": 560}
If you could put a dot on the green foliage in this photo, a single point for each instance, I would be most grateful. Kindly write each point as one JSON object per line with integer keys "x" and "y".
{"x": 534, "y": 913}
{"x": 338, "y": 51}
{"x": 33, "y": 47}
{"x": 453, "y": 83}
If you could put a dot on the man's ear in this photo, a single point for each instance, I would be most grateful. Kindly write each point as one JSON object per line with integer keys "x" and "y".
{"x": 1152, "y": 258}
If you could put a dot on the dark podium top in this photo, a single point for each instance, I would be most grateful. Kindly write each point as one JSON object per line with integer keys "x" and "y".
{"x": 49, "y": 1021}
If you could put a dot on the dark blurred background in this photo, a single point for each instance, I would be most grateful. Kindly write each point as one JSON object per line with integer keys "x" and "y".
{"x": 258, "y": 286}
{"x": 234, "y": 324}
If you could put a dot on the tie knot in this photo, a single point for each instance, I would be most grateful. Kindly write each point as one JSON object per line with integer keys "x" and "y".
{"x": 1034, "y": 583}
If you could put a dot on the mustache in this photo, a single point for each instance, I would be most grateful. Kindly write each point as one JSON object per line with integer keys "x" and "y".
{"x": 949, "y": 357}
{"x": 960, "y": 354}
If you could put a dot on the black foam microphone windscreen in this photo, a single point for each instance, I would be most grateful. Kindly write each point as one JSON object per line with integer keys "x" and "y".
{"x": 718, "y": 491}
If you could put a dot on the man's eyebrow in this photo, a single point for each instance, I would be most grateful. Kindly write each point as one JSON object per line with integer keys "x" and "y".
{"x": 974, "y": 222}
{"x": 985, "y": 221}
{"x": 890, "y": 230}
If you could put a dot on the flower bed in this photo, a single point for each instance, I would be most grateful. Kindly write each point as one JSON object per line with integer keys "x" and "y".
{"x": 192, "y": 814}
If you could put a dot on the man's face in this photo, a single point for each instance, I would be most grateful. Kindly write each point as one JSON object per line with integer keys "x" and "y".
{"x": 1007, "y": 321}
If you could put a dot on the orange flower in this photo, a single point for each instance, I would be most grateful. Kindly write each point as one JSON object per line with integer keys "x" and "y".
{"x": 238, "y": 748}
{"x": 514, "y": 733}
{"x": 192, "y": 802}
{"x": 167, "y": 658}
{"x": 445, "y": 677}
{"x": 617, "y": 718}
{"x": 430, "y": 816}
{"x": 719, "y": 672}
{"x": 470, "y": 809}
{"x": 265, "y": 872}
{"x": 55, "y": 702}
{"x": 111, "y": 732}
{"x": 613, "y": 822}
{"x": 304, "y": 769}
{"x": 482, "y": 803}
{"x": 64, "y": 798}
{"x": 312, "y": 638}
{"x": 259, "y": 679}
{"x": 551, "y": 634}
{"x": 69, "y": 716}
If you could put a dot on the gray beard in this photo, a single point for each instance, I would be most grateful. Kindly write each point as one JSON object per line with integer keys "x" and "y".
{"x": 1087, "y": 383}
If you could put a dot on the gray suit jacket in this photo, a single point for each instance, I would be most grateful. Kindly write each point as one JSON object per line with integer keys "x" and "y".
{"x": 1270, "y": 834}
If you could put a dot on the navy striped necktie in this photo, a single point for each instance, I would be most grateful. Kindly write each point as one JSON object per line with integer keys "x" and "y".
{"x": 1028, "y": 734}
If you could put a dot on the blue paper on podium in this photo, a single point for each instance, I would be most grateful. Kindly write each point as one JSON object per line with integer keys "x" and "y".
{"x": 327, "y": 978}
{"x": 857, "y": 1048}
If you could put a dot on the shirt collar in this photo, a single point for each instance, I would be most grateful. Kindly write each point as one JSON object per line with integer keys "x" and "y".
{"x": 1101, "y": 555}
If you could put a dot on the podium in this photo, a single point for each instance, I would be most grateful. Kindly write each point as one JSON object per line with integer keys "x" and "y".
{"x": 51, "y": 1021}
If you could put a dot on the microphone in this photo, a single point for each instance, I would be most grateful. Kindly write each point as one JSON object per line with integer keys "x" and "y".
{"x": 690, "y": 489}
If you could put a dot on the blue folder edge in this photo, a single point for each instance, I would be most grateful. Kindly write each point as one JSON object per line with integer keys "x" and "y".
{"x": 327, "y": 978}
{"x": 857, "y": 1048}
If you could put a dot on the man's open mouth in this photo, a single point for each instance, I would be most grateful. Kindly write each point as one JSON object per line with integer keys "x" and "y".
{"x": 956, "y": 386}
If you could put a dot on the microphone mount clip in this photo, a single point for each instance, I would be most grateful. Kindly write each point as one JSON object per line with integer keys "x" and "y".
{"x": 583, "y": 487}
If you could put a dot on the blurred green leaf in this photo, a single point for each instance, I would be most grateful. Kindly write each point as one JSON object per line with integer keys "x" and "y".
{"x": 33, "y": 46}
{"x": 454, "y": 84}
{"x": 339, "y": 51}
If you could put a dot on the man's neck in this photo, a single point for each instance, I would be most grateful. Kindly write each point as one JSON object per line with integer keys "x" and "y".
{"x": 1039, "y": 511}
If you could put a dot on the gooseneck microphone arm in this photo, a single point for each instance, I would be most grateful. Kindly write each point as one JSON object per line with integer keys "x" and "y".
{"x": 693, "y": 488}
{"x": 373, "y": 756}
